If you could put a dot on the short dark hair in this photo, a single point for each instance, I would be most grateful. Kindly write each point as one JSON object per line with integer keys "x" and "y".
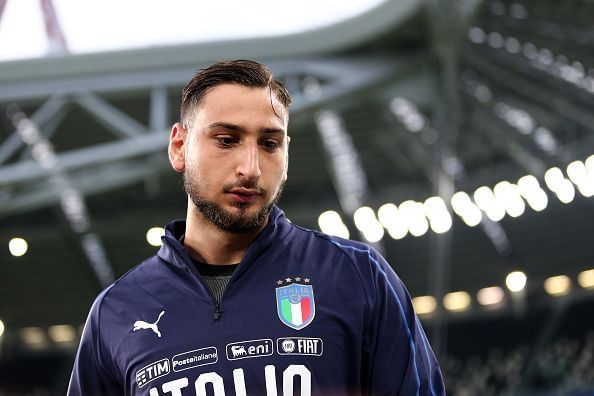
{"x": 244, "y": 72}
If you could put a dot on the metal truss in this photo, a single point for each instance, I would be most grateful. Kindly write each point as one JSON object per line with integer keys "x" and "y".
{"x": 80, "y": 81}
{"x": 129, "y": 157}
{"x": 541, "y": 101}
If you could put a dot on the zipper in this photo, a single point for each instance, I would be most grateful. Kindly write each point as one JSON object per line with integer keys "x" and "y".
{"x": 192, "y": 270}
{"x": 249, "y": 257}
{"x": 217, "y": 313}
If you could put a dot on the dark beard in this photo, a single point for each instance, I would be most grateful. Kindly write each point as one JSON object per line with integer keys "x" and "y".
{"x": 233, "y": 223}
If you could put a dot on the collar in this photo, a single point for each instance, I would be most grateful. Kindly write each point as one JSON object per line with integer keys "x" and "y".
{"x": 172, "y": 250}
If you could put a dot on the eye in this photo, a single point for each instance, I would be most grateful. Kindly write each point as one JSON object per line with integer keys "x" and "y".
{"x": 270, "y": 144}
{"x": 225, "y": 141}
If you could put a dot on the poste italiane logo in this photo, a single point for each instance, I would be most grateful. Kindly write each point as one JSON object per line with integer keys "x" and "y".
{"x": 295, "y": 302}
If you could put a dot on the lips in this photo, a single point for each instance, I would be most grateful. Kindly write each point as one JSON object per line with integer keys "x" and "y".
{"x": 241, "y": 194}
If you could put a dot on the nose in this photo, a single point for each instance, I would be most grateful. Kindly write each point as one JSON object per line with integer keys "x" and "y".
{"x": 249, "y": 163}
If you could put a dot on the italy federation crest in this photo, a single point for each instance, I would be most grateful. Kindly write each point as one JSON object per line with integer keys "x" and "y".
{"x": 295, "y": 305}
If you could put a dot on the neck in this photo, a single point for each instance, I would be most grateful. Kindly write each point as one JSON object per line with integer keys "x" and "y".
{"x": 207, "y": 243}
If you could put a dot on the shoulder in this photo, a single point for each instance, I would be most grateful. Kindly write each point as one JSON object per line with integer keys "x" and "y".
{"x": 362, "y": 258}
{"x": 299, "y": 237}
{"x": 150, "y": 268}
{"x": 132, "y": 286}
{"x": 116, "y": 307}
{"x": 353, "y": 250}
{"x": 355, "y": 264}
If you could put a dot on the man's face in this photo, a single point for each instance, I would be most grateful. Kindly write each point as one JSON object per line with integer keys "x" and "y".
{"x": 236, "y": 153}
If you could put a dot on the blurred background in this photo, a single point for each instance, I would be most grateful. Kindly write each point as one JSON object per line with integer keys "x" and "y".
{"x": 456, "y": 137}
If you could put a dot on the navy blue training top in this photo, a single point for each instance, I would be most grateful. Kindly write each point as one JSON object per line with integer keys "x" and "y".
{"x": 304, "y": 313}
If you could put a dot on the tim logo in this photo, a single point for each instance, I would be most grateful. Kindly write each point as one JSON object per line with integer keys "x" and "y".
{"x": 249, "y": 349}
{"x": 152, "y": 371}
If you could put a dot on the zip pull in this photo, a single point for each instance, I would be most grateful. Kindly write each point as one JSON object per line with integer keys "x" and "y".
{"x": 217, "y": 311}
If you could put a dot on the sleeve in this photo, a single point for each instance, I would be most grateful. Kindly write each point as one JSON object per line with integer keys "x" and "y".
{"x": 398, "y": 357}
{"x": 90, "y": 376}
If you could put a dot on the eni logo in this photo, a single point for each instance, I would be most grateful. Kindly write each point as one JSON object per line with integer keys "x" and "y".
{"x": 249, "y": 349}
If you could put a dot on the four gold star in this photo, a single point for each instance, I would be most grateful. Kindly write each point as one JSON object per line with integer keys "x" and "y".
{"x": 289, "y": 280}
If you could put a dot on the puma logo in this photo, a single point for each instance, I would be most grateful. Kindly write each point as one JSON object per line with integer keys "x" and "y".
{"x": 141, "y": 324}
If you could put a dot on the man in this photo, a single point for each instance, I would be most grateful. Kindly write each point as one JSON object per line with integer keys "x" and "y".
{"x": 238, "y": 300}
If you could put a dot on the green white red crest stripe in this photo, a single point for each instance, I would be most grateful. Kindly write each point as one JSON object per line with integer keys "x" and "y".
{"x": 295, "y": 305}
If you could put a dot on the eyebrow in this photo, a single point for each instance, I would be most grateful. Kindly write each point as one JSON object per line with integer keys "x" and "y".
{"x": 241, "y": 128}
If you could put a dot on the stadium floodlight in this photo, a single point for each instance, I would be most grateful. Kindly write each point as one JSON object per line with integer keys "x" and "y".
{"x": 34, "y": 337}
{"x": 390, "y": 217}
{"x": 466, "y": 209}
{"x": 460, "y": 201}
{"x": 153, "y": 236}
{"x": 457, "y": 301}
{"x": 512, "y": 45}
{"x": 528, "y": 185}
{"x": 408, "y": 114}
{"x": 62, "y": 333}
{"x": 473, "y": 217}
{"x": 566, "y": 193}
{"x": 559, "y": 285}
{"x": 331, "y": 223}
{"x": 367, "y": 223}
{"x": 485, "y": 200}
{"x": 557, "y": 183}
{"x": 590, "y": 164}
{"x": 532, "y": 192}
{"x": 476, "y": 35}
{"x": 436, "y": 211}
{"x": 414, "y": 216}
{"x": 516, "y": 281}
{"x": 586, "y": 279}
{"x": 508, "y": 196}
{"x": 18, "y": 247}
{"x": 495, "y": 39}
{"x": 554, "y": 178}
{"x": 490, "y": 296}
{"x": 424, "y": 305}
{"x": 581, "y": 177}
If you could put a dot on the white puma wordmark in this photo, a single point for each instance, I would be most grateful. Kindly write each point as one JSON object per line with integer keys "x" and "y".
{"x": 141, "y": 324}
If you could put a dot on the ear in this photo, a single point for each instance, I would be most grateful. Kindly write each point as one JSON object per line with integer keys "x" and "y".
{"x": 177, "y": 145}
